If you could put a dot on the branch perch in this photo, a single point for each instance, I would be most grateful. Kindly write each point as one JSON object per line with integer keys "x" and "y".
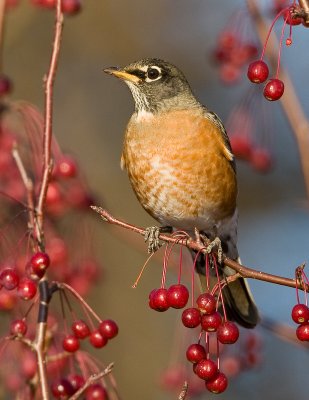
{"x": 192, "y": 244}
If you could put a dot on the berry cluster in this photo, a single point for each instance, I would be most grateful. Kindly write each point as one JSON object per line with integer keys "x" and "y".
{"x": 25, "y": 286}
{"x": 234, "y": 49}
{"x": 204, "y": 315}
{"x": 98, "y": 338}
{"x": 258, "y": 71}
{"x": 58, "y": 361}
{"x": 233, "y": 361}
{"x": 209, "y": 319}
{"x": 300, "y": 312}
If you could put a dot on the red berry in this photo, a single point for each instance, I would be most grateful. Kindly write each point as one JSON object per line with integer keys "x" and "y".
{"x": 258, "y": 71}
{"x": 26, "y": 289}
{"x": 300, "y": 313}
{"x": 228, "y": 333}
{"x": 70, "y": 7}
{"x": 177, "y": 296}
{"x": 302, "y": 332}
{"x": 206, "y": 369}
{"x": 5, "y": 85}
{"x": 70, "y": 343}
{"x": 7, "y": 300}
{"x": 66, "y": 167}
{"x": 218, "y": 384}
{"x": 9, "y": 278}
{"x": 62, "y": 389}
{"x": 261, "y": 160}
{"x": 80, "y": 329}
{"x": 241, "y": 146}
{"x": 211, "y": 322}
{"x": 158, "y": 300}
{"x": 289, "y": 19}
{"x": 45, "y": 3}
{"x": 96, "y": 392}
{"x": 18, "y": 327}
{"x": 229, "y": 73}
{"x": 227, "y": 40}
{"x": 97, "y": 339}
{"x": 195, "y": 353}
{"x": 206, "y": 303}
{"x": 28, "y": 365}
{"x": 273, "y": 89}
{"x": 39, "y": 262}
{"x": 77, "y": 381}
{"x": 108, "y": 328}
{"x": 35, "y": 276}
{"x": 191, "y": 317}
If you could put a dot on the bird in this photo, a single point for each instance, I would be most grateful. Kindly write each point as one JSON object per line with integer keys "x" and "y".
{"x": 181, "y": 167}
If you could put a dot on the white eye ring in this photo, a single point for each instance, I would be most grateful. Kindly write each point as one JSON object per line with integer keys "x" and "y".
{"x": 153, "y": 73}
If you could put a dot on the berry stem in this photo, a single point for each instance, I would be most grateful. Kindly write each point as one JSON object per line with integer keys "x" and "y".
{"x": 207, "y": 272}
{"x": 180, "y": 265}
{"x": 207, "y": 339}
{"x": 193, "y": 276}
{"x": 219, "y": 286}
{"x": 280, "y": 45}
{"x": 218, "y": 354}
{"x": 270, "y": 30}
{"x": 142, "y": 271}
{"x": 63, "y": 286}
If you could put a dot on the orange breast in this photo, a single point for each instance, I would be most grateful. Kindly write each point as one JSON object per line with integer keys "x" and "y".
{"x": 180, "y": 170}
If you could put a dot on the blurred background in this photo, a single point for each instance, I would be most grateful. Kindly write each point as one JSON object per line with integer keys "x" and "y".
{"x": 90, "y": 114}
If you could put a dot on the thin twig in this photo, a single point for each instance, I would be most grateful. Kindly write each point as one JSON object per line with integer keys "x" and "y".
{"x": 2, "y": 18}
{"x": 28, "y": 186}
{"x": 92, "y": 379}
{"x": 49, "y": 86}
{"x": 192, "y": 244}
{"x": 45, "y": 291}
{"x": 184, "y": 391}
{"x": 289, "y": 101}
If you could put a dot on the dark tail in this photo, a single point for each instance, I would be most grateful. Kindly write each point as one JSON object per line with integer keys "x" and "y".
{"x": 239, "y": 303}
{"x": 238, "y": 300}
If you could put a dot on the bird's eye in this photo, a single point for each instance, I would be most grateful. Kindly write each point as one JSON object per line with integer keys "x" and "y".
{"x": 153, "y": 73}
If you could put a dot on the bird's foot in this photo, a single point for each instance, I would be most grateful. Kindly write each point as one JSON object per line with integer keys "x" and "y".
{"x": 215, "y": 243}
{"x": 152, "y": 234}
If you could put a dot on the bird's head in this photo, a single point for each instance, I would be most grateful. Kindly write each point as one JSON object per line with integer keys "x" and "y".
{"x": 155, "y": 85}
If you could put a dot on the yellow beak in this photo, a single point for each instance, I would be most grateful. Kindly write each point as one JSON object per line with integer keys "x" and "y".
{"x": 126, "y": 76}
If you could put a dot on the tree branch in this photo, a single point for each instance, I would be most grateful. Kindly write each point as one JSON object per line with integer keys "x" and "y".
{"x": 192, "y": 244}
{"x": 49, "y": 85}
{"x": 92, "y": 379}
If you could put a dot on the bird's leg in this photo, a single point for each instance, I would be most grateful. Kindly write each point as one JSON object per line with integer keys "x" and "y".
{"x": 152, "y": 234}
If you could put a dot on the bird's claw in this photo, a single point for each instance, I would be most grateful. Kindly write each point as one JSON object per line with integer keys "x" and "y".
{"x": 216, "y": 243}
{"x": 151, "y": 235}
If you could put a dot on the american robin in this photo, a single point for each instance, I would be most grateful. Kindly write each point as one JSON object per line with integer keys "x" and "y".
{"x": 181, "y": 166}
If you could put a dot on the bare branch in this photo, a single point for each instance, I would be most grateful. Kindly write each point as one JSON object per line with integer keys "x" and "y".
{"x": 92, "y": 379}
{"x": 242, "y": 270}
{"x": 28, "y": 186}
{"x": 49, "y": 86}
